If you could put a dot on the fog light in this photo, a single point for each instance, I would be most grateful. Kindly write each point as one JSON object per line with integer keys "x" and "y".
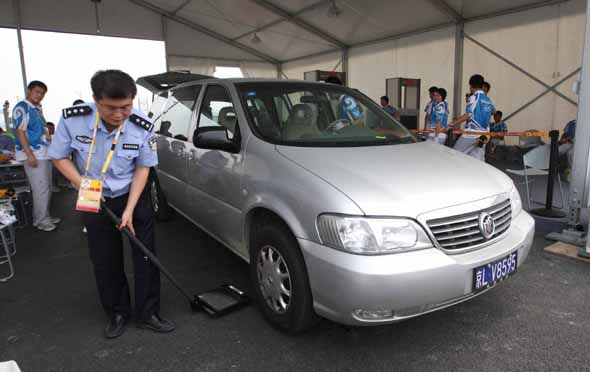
{"x": 362, "y": 314}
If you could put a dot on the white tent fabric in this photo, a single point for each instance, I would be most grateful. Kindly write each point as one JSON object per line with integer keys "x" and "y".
{"x": 200, "y": 66}
{"x": 258, "y": 70}
{"x": 429, "y": 57}
{"x": 296, "y": 29}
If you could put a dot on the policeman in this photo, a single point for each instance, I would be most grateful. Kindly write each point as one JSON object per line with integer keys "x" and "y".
{"x": 478, "y": 114}
{"x": 113, "y": 146}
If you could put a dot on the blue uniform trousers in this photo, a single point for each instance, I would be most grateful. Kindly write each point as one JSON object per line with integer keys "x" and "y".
{"x": 106, "y": 252}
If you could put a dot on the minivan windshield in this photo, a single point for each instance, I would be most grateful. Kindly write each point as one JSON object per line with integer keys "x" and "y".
{"x": 311, "y": 114}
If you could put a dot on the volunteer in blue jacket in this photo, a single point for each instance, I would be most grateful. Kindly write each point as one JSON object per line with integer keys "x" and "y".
{"x": 31, "y": 142}
{"x": 478, "y": 114}
{"x": 439, "y": 116}
{"x": 113, "y": 148}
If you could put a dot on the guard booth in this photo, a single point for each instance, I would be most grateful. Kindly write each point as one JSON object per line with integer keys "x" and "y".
{"x": 404, "y": 94}
{"x": 319, "y": 75}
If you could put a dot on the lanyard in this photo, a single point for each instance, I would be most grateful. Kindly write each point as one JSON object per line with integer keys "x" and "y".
{"x": 105, "y": 166}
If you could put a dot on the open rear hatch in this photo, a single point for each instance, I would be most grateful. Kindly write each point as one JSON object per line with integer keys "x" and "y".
{"x": 160, "y": 82}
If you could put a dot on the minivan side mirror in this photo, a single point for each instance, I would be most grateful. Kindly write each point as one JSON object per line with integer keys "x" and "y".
{"x": 215, "y": 138}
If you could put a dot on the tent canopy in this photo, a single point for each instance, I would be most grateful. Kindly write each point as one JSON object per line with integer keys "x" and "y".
{"x": 274, "y": 31}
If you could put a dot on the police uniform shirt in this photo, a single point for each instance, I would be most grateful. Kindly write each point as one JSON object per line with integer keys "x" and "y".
{"x": 480, "y": 108}
{"x": 136, "y": 146}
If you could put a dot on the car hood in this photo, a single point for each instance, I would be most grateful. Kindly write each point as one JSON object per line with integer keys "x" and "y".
{"x": 401, "y": 180}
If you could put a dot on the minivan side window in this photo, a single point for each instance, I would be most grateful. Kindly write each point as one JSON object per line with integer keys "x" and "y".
{"x": 217, "y": 109}
{"x": 176, "y": 118}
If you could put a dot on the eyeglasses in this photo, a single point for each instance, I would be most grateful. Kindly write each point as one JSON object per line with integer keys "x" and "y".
{"x": 112, "y": 109}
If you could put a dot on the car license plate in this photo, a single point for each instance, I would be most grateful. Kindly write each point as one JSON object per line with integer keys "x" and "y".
{"x": 487, "y": 275}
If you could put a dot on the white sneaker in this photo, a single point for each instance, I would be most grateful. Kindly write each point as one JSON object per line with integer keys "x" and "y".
{"x": 46, "y": 226}
{"x": 54, "y": 220}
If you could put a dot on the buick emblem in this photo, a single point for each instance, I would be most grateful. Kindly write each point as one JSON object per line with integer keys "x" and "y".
{"x": 486, "y": 225}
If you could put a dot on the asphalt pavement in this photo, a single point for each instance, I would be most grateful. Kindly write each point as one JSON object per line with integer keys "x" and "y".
{"x": 50, "y": 318}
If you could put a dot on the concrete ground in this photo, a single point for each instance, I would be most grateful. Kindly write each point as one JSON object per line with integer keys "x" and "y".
{"x": 50, "y": 318}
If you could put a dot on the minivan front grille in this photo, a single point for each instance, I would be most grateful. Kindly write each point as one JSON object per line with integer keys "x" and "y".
{"x": 463, "y": 231}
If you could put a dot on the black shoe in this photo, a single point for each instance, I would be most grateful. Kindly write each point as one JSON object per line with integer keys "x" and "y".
{"x": 157, "y": 324}
{"x": 116, "y": 327}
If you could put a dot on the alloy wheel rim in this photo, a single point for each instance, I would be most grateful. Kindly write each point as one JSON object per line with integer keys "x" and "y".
{"x": 274, "y": 279}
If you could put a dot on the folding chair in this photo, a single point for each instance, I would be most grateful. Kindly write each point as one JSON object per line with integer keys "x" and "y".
{"x": 536, "y": 163}
{"x": 7, "y": 239}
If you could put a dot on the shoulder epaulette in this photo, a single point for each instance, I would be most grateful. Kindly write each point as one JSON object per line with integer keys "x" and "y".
{"x": 143, "y": 123}
{"x": 76, "y": 111}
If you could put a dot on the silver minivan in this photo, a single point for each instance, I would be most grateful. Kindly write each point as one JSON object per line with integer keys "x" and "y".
{"x": 339, "y": 210}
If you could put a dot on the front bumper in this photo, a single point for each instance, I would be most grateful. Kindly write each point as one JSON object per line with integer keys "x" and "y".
{"x": 410, "y": 284}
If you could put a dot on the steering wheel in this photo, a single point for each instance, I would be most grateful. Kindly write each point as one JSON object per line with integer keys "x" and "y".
{"x": 337, "y": 125}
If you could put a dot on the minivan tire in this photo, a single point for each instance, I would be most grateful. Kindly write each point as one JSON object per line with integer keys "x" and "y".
{"x": 162, "y": 210}
{"x": 299, "y": 316}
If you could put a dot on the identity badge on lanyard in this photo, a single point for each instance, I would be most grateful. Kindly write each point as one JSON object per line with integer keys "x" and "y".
{"x": 90, "y": 193}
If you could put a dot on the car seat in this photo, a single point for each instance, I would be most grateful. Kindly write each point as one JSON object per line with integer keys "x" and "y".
{"x": 302, "y": 123}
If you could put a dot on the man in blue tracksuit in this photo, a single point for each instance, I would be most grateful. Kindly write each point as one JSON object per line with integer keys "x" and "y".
{"x": 478, "y": 114}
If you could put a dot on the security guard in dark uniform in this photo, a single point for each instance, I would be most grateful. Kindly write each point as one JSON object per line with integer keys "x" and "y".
{"x": 113, "y": 146}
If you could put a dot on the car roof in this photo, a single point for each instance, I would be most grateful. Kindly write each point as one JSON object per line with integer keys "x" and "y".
{"x": 247, "y": 80}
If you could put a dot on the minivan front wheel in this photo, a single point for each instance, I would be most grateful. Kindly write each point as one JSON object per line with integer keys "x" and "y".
{"x": 281, "y": 284}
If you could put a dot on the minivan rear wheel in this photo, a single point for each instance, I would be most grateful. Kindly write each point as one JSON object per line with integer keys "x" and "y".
{"x": 279, "y": 274}
{"x": 160, "y": 206}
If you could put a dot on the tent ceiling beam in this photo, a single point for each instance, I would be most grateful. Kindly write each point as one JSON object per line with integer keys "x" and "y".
{"x": 518, "y": 9}
{"x": 448, "y": 10}
{"x": 434, "y": 28}
{"x": 221, "y": 59}
{"x": 292, "y": 17}
{"x": 204, "y": 30}
{"x": 280, "y": 20}
{"x": 376, "y": 41}
{"x": 181, "y": 6}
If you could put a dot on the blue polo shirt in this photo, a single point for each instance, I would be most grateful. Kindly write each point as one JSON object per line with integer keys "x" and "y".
{"x": 440, "y": 112}
{"x": 480, "y": 108}
{"x": 349, "y": 109}
{"x": 28, "y": 117}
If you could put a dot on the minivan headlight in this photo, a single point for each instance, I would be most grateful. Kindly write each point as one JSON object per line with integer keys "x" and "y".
{"x": 371, "y": 236}
{"x": 515, "y": 201}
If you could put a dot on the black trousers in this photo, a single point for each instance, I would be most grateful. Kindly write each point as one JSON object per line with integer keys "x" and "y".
{"x": 106, "y": 252}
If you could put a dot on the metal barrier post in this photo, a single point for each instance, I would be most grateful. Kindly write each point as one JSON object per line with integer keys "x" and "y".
{"x": 548, "y": 211}
{"x": 450, "y": 138}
